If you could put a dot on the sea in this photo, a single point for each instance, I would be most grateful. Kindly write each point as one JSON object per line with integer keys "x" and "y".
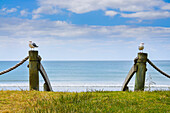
{"x": 83, "y": 76}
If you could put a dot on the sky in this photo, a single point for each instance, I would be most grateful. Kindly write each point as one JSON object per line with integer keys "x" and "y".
{"x": 85, "y": 29}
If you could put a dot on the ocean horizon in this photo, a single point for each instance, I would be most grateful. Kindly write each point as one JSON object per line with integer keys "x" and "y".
{"x": 86, "y": 75}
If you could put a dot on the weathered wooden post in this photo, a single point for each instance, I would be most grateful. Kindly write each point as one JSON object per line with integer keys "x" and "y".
{"x": 141, "y": 70}
{"x": 33, "y": 70}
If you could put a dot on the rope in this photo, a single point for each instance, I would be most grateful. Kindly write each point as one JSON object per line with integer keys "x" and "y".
{"x": 157, "y": 68}
{"x": 12, "y": 68}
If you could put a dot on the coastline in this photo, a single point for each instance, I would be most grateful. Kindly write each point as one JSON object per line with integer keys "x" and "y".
{"x": 86, "y": 88}
{"x": 81, "y": 76}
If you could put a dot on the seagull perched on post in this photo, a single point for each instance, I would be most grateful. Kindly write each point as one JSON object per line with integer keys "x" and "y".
{"x": 32, "y": 45}
{"x": 141, "y": 47}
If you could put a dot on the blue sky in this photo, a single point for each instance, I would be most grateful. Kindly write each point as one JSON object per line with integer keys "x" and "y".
{"x": 85, "y": 30}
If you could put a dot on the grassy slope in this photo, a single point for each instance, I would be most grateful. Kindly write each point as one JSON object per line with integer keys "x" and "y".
{"x": 34, "y": 101}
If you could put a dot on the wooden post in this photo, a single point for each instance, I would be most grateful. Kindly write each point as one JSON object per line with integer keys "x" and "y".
{"x": 129, "y": 76}
{"x": 47, "y": 85}
{"x": 141, "y": 70}
{"x": 33, "y": 70}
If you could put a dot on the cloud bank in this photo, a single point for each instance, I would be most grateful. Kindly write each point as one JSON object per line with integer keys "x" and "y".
{"x": 83, "y": 42}
{"x": 43, "y": 25}
{"x": 45, "y": 30}
{"x": 142, "y": 9}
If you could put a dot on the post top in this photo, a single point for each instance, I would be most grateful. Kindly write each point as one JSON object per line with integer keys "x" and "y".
{"x": 142, "y": 53}
{"x": 33, "y": 55}
{"x": 33, "y": 51}
{"x": 142, "y": 57}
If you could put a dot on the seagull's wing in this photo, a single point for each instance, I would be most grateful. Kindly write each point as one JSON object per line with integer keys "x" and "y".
{"x": 34, "y": 45}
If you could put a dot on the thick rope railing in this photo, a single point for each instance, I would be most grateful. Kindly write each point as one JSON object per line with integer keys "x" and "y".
{"x": 12, "y": 68}
{"x": 157, "y": 68}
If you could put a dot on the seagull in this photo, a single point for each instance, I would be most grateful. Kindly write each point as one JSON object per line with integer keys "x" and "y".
{"x": 32, "y": 45}
{"x": 141, "y": 47}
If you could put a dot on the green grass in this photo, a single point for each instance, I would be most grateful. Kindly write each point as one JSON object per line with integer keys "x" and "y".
{"x": 84, "y": 102}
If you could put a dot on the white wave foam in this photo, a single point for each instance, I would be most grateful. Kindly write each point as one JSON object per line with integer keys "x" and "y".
{"x": 76, "y": 85}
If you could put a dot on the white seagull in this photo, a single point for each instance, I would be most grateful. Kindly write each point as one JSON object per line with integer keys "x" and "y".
{"x": 141, "y": 46}
{"x": 32, "y": 45}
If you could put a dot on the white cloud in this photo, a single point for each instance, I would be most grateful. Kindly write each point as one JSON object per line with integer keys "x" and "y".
{"x": 62, "y": 30}
{"x": 148, "y": 15}
{"x": 3, "y": 9}
{"x": 110, "y": 13}
{"x": 11, "y": 10}
{"x": 83, "y": 6}
{"x": 75, "y": 41}
{"x": 35, "y": 16}
{"x": 23, "y": 13}
{"x": 143, "y": 9}
{"x": 46, "y": 10}
{"x": 166, "y": 7}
